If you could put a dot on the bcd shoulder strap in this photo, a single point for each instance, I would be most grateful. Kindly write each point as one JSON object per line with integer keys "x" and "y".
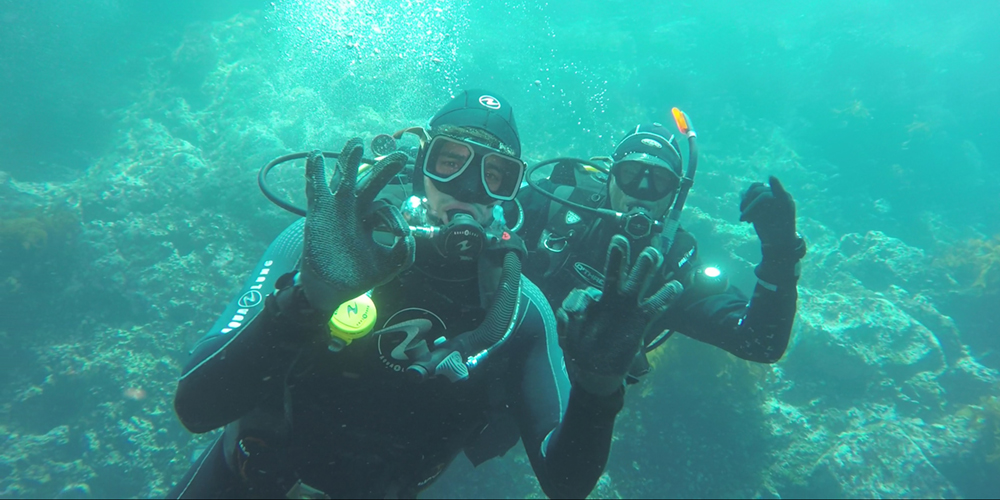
{"x": 566, "y": 228}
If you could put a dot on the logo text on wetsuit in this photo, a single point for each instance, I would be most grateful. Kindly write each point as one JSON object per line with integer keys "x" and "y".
{"x": 589, "y": 275}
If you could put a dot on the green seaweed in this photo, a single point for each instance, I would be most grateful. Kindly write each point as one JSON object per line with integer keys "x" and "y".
{"x": 35, "y": 229}
{"x": 975, "y": 261}
{"x": 985, "y": 419}
{"x": 27, "y": 232}
{"x": 685, "y": 360}
{"x": 991, "y": 434}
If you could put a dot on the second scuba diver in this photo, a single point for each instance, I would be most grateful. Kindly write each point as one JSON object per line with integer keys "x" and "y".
{"x": 580, "y": 209}
{"x": 372, "y": 345}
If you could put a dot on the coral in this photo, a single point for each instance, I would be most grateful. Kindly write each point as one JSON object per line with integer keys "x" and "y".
{"x": 856, "y": 109}
{"x": 976, "y": 260}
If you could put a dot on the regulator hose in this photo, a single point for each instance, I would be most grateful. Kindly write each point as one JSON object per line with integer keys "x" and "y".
{"x": 281, "y": 202}
{"x": 454, "y": 358}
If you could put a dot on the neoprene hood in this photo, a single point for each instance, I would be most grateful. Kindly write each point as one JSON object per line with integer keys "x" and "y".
{"x": 652, "y": 143}
{"x": 484, "y": 110}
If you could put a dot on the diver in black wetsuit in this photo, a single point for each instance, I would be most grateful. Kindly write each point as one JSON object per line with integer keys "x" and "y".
{"x": 573, "y": 210}
{"x": 463, "y": 355}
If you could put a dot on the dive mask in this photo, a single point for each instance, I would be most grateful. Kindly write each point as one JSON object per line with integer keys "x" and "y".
{"x": 645, "y": 180}
{"x": 472, "y": 172}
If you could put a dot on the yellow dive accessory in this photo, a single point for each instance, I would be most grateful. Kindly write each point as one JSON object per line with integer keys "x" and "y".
{"x": 351, "y": 321}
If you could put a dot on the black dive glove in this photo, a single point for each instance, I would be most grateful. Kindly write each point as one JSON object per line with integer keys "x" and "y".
{"x": 601, "y": 332}
{"x": 340, "y": 257}
{"x": 771, "y": 210}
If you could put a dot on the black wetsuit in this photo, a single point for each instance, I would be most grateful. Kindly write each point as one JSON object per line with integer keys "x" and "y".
{"x": 352, "y": 423}
{"x": 756, "y": 330}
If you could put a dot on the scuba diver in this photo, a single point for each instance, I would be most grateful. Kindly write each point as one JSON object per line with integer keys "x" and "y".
{"x": 391, "y": 329}
{"x": 575, "y": 207}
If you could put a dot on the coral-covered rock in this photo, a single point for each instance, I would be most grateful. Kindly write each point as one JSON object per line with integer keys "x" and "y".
{"x": 877, "y": 460}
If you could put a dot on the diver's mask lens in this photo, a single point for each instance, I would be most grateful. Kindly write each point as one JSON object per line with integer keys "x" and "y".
{"x": 448, "y": 159}
{"x": 645, "y": 181}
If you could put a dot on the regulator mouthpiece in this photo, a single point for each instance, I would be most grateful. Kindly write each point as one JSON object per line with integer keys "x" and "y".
{"x": 462, "y": 238}
{"x": 638, "y": 224}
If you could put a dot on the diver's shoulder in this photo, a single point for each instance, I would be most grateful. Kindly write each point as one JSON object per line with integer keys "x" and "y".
{"x": 684, "y": 239}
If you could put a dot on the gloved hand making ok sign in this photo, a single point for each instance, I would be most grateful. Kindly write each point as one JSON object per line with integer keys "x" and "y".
{"x": 772, "y": 212}
{"x": 602, "y": 331}
{"x": 340, "y": 257}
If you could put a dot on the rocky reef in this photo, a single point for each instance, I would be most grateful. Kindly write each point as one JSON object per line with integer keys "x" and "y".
{"x": 883, "y": 391}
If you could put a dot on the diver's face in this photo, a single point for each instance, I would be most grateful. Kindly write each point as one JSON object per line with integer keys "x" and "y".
{"x": 621, "y": 202}
{"x": 439, "y": 204}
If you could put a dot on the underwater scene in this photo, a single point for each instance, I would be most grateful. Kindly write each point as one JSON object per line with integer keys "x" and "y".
{"x": 132, "y": 135}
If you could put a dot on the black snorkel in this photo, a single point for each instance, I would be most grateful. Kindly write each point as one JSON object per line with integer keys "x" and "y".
{"x": 673, "y": 220}
{"x": 637, "y": 224}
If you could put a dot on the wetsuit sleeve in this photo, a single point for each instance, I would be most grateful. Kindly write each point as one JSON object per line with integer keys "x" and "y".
{"x": 755, "y": 330}
{"x": 566, "y": 432}
{"x": 249, "y": 348}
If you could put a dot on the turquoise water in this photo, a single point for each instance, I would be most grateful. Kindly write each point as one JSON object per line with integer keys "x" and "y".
{"x": 129, "y": 215}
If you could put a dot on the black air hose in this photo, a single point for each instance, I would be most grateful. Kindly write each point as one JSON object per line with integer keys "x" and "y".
{"x": 453, "y": 358}
{"x": 501, "y": 313}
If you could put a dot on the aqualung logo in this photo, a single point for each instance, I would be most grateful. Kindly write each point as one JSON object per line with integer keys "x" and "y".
{"x": 392, "y": 345}
{"x": 249, "y": 300}
{"x": 589, "y": 275}
{"x": 489, "y": 101}
{"x": 651, "y": 143}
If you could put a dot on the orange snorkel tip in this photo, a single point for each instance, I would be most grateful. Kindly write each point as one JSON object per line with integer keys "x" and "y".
{"x": 681, "y": 119}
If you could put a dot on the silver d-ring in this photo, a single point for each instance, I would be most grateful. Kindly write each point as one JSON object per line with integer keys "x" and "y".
{"x": 546, "y": 239}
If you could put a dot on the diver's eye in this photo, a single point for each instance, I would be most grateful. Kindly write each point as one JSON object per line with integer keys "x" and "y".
{"x": 494, "y": 178}
{"x": 447, "y": 166}
{"x": 628, "y": 172}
